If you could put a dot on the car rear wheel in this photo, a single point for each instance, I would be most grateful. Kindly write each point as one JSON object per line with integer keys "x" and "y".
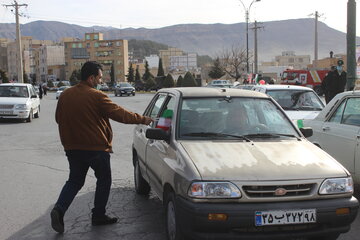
{"x": 115, "y": 93}
{"x": 29, "y": 119}
{"x": 141, "y": 186}
{"x": 37, "y": 114}
{"x": 133, "y": 94}
{"x": 173, "y": 230}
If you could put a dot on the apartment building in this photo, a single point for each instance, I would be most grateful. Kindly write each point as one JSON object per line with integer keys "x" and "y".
{"x": 185, "y": 62}
{"x": 165, "y": 55}
{"x": 288, "y": 58}
{"x": 3, "y": 54}
{"x": 94, "y": 48}
{"x": 51, "y": 63}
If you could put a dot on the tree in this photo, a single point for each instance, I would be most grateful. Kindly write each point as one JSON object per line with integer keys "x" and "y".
{"x": 75, "y": 77}
{"x": 26, "y": 78}
{"x": 139, "y": 84}
{"x": 169, "y": 81}
{"x": 216, "y": 70}
{"x": 233, "y": 61}
{"x": 189, "y": 80}
{"x": 130, "y": 75}
{"x": 148, "y": 78}
{"x": 179, "y": 81}
{"x": 3, "y": 77}
{"x": 112, "y": 75}
{"x": 160, "y": 72}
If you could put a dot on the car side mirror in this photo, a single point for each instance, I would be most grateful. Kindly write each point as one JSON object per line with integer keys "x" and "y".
{"x": 157, "y": 134}
{"x": 34, "y": 96}
{"x": 306, "y": 131}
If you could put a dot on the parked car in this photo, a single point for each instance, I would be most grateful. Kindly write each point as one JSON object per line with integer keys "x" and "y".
{"x": 19, "y": 101}
{"x": 104, "y": 87}
{"x": 298, "y": 102}
{"x": 220, "y": 84}
{"x": 258, "y": 178}
{"x": 124, "y": 88}
{"x": 337, "y": 130}
{"x": 60, "y": 91}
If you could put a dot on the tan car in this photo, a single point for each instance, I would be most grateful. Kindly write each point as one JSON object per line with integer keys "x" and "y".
{"x": 229, "y": 164}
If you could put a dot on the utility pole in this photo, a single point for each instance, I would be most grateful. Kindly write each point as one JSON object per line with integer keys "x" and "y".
{"x": 255, "y": 28}
{"x": 350, "y": 45}
{"x": 18, "y": 40}
{"x": 317, "y": 15}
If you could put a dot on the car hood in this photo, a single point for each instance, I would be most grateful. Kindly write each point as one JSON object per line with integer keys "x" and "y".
{"x": 295, "y": 115}
{"x": 261, "y": 161}
{"x": 13, "y": 100}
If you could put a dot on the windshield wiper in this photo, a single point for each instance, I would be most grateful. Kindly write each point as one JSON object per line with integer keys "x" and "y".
{"x": 271, "y": 135}
{"x": 214, "y": 134}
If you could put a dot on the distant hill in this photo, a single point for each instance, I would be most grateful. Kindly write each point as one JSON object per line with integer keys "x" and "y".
{"x": 206, "y": 39}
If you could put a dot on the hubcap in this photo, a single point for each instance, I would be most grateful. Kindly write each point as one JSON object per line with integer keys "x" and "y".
{"x": 171, "y": 221}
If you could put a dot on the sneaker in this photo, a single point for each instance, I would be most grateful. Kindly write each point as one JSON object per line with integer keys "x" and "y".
{"x": 57, "y": 221}
{"x": 103, "y": 220}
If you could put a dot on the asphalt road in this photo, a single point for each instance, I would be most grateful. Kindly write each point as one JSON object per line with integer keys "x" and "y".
{"x": 33, "y": 169}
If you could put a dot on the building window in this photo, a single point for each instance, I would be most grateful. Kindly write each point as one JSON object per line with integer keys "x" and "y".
{"x": 291, "y": 60}
{"x": 118, "y": 43}
{"x": 80, "y": 45}
{"x": 96, "y": 37}
{"x": 87, "y": 36}
{"x": 301, "y": 60}
{"x": 87, "y": 45}
{"x": 74, "y": 45}
{"x": 96, "y": 44}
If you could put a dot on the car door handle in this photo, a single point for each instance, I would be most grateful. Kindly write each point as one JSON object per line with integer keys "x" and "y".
{"x": 358, "y": 136}
{"x": 326, "y": 128}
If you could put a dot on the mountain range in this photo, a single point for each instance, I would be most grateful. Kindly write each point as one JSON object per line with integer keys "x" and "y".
{"x": 274, "y": 37}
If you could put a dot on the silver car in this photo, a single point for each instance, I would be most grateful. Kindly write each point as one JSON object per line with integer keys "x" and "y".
{"x": 230, "y": 164}
{"x": 337, "y": 130}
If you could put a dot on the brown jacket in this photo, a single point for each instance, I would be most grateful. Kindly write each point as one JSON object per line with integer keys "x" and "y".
{"x": 83, "y": 113}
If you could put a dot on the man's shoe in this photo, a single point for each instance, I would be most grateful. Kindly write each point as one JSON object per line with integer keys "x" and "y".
{"x": 57, "y": 220}
{"x": 103, "y": 220}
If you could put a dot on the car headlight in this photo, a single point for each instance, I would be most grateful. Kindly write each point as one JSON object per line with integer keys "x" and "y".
{"x": 21, "y": 107}
{"x": 337, "y": 186}
{"x": 213, "y": 190}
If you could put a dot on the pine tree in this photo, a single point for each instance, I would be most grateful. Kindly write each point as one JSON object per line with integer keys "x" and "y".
{"x": 130, "y": 75}
{"x": 139, "y": 85}
{"x": 3, "y": 77}
{"x": 75, "y": 77}
{"x": 216, "y": 71}
{"x": 189, "y": 80}
{"x": 160, "y": 72}
{"x": 148, "y": 78}
{"x": 169, "y": 81}
{"x": 179, "y": 81}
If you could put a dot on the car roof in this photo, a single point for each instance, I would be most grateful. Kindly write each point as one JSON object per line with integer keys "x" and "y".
{"x": 15, "y": 84}
{"x": 214, "y": 92}
{"x": 282, "y": 87}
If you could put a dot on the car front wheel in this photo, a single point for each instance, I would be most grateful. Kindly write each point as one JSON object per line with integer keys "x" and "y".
{"x": 29, "y": 119}
{"x": 173, "y": 231}
{"x": 141, "y": 186}
{"x": 37, "y": 114}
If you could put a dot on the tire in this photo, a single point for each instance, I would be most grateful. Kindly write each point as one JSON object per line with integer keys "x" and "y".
{"x": 120, "y": 94}
{"x": 30, "y": 118}
{"x": 37, "y": 114}
{"x": 141, "y": 186}
{"x": 173, "y": 230}
{"x": 133, "y": 94}
{"x": 115, "y": 93}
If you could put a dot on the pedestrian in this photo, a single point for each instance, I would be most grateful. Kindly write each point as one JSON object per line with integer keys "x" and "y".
{"x": 45, "y": 89}
{"x": 334, "y": 82}
{"x": 86, "y": 136}
{"x": 40, "y": 91}
{"x": 324, "y": 83}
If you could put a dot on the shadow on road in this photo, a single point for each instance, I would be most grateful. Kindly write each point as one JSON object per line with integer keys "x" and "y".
{"x": 139, "y": 218}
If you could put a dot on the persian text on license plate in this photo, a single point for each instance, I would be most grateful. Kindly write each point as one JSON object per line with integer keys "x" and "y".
{"x": 279, "y": 217}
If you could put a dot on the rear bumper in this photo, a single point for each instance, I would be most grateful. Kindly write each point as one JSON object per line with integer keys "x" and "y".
{"x": 241, "y": 219}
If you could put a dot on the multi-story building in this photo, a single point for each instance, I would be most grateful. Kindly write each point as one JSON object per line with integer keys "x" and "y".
{"x": 51, "y": 63}
{"x": 94, "y": 48}
{"x": 185, "y": 62}
{"x": 153, "y": 61}
{"x": 166, "y": 54}
{"x": 3, "y": 54}
{"x": 288, "y": 58}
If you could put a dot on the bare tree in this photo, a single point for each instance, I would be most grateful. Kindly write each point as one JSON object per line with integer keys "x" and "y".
{"x": 233, "y": 61}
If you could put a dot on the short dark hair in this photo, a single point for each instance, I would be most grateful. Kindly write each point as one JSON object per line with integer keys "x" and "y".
{"x": 90, "y": 68}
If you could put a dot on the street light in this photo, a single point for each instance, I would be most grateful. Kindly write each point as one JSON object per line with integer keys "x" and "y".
{"x": 247, "y": 10}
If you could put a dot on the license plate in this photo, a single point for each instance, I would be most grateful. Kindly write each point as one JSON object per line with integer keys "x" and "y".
{"x": 280, "y": 217}
{"x": 5, "y": 112}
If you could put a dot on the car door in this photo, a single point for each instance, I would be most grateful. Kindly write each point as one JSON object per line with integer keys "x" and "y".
{"x": 340, "y": 133}
{"x": 35, "y": 102}
{"x": 159, "y": 152}
{"x": 140, "y": 140}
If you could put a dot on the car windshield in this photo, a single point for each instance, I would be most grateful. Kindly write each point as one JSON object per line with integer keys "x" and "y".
{"x": 232, "y": 118}
{"x": 125, "y": 85}
{"x": 297, "y": 99}
{"x": 14, "y": 91}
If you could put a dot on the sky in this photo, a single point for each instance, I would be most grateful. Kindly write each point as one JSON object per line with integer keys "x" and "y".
{"x": 162, "y": 13}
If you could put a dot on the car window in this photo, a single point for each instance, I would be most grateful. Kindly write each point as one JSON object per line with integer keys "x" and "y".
{"x": 32, "y": 91}
{"x": 166, "y": 114}
{"x": 336, "y": 117}
{"x": 157, "y": 106}
{"x": 351, "y": 114}
{"x": 14, "y": 91}
{"x": 296, "y": 99}
{"x": 238, "y": 116}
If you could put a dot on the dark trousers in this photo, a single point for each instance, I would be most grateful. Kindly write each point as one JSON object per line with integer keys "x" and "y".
{"x": 79, "y": 163}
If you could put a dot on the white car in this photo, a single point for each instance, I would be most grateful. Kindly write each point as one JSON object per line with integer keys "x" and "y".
{"x": 337, "y": 130}
{"x": 60, "y": 90}
{"x": 19, "y": 101}
{"x": 298, "y": 102}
